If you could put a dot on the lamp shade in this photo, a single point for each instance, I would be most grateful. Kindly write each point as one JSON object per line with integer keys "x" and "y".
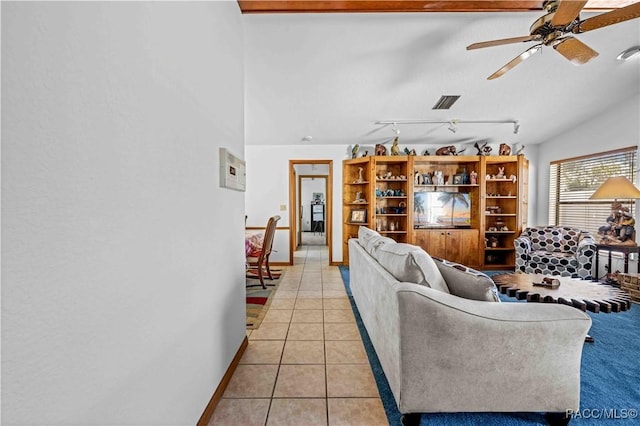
{"x": 615, "y": 188}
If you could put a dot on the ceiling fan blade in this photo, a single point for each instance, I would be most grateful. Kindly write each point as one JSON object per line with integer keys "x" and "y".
{"x": 615, "y": 16}
{"x": 567, "y": 11}
{"x": 503, "y": 41}
{"x": 515, "y": 61}
{"x": 575, "y": 51}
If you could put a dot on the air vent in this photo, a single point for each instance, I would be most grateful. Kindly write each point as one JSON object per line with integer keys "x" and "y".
{"x": 446, "y": 101}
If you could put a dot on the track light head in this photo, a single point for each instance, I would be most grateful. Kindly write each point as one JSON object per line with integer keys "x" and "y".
{"x": 452, "y": 127}
{"x": 516, "y": 127}
{"x": 395, "y": 128}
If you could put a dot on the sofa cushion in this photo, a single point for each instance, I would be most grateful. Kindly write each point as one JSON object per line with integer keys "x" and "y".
{"x": 370, "y": 239}
{"x": 410, "y": 263}
{"x": 467, "y": 282}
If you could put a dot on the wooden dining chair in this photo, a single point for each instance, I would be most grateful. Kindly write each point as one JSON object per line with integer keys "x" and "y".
{"x": 261, "y": 262}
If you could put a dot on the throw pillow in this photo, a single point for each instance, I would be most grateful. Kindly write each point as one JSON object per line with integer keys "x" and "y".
{"x": 467, "y": 282}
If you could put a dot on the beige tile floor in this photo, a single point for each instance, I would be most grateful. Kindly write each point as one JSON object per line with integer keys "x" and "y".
{"x": 305, "y": 364}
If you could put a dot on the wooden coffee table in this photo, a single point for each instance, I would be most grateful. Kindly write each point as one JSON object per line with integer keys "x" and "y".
{"x": 584, "y": 295}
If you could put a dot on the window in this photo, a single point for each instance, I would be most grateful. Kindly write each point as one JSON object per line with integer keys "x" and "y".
{"x": 573, "y": 181}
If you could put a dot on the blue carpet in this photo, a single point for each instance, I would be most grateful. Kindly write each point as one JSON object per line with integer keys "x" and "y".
{"x": 610, "y": 376}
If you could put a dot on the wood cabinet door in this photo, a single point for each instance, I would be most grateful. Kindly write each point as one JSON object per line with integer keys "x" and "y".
{"x": 462, "y": 247}
{"x": 432, "y": 241}
{"x": 438, "y": 243}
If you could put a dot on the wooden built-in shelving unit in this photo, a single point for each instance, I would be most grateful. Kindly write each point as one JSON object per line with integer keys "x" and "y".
{"x": 392, "y": 191}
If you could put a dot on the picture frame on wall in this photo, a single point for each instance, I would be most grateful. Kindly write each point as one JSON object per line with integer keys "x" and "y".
{"x": 358, "y": 216}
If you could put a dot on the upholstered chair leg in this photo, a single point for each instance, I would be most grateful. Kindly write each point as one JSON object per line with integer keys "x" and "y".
{"x": 268, "y": 269}
{"x": 264, "y": 286}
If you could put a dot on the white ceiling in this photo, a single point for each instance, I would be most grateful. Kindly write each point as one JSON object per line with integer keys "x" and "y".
{"x": 332, "y": 76}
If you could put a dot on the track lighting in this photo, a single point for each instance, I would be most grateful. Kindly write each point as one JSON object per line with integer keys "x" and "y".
{"x": 453, "y": 124}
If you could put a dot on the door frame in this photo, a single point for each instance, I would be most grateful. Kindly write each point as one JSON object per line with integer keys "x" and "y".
{"x": 293, "y": 199}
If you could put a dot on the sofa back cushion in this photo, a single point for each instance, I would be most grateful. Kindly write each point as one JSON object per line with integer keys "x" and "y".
{"x": 370, "y": 239}
{"x": 410, "y": 263}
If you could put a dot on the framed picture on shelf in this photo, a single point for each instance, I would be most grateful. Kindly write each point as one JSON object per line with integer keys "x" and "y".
{"x": 459, "y": 179}
{"x": 358, "y": 216}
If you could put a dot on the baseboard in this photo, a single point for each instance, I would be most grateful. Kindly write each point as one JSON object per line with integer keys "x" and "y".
{"x": 217, "y": 395}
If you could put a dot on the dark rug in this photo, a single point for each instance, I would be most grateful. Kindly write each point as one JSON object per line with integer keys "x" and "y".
{"x": 609, "y": 385}
{"x": 259, "y": 299}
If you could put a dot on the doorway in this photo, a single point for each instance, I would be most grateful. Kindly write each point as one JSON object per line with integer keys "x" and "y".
{"x": 310, "y": 204}
{"x": 312, "y": 192}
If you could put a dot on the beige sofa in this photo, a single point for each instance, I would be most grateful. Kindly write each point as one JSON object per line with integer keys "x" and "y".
{"x": 446, "y": 344}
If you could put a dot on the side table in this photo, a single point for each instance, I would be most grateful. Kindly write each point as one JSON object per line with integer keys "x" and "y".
{"x": 619, "y": 248}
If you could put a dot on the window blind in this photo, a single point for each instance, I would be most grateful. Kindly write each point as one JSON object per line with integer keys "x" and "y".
{"x": 573, "y": 181}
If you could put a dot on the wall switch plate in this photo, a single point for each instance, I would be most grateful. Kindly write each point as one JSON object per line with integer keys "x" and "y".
{"x": 283, "y": 207}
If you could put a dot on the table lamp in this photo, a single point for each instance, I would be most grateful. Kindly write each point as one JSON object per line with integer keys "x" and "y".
{"x": 618, "y": 188}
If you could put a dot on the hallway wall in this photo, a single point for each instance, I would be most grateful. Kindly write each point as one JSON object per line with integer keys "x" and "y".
{"x": 122, "y": 259}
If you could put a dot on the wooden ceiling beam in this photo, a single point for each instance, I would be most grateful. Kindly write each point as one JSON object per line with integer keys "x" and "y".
{"x": 364, "y": 6}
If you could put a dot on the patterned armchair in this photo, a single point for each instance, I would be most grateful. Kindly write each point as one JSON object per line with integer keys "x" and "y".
{"x": 555, "y": 250}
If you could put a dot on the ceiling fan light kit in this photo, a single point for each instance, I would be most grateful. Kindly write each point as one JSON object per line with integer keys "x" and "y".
{"x": 555, "y": 29}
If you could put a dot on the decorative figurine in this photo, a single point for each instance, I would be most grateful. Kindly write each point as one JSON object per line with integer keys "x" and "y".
{"x": 360, "y": 179}
{"x": 395, "y": 149}
{"x": 513, "y": 179}
{"x": 446, "y": 150}
{"x": 381, "y": 149}
{"x": 473, "y": 177}
{"x": 484, "y": 149}
{"x": 520, "y": 150}
{"x": 504, "y": 149}
{"x": 366, "y": 153}
{"x": 417, "y": 178}
{"x": 438, "y": 178}
{"x": 619, "y": 228}
{"x": 410, "y": 151}
{"x": 500, "y": 174}
{"x": 426, "y": 152}
{"x": 354, "y": 151}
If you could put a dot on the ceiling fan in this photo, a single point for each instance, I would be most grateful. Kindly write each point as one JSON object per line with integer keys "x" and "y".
{"x": 562, "y": 18}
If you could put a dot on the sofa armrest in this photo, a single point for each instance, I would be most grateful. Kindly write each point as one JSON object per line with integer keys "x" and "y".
{"x": 522, "y": 244}
{"x": 469, "y": 356}
{"x": 586, "y": 242}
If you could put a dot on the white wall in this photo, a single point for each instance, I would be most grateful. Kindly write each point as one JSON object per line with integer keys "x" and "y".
{"x": 263, "y": 198}
{"x": 122, "y": 258}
